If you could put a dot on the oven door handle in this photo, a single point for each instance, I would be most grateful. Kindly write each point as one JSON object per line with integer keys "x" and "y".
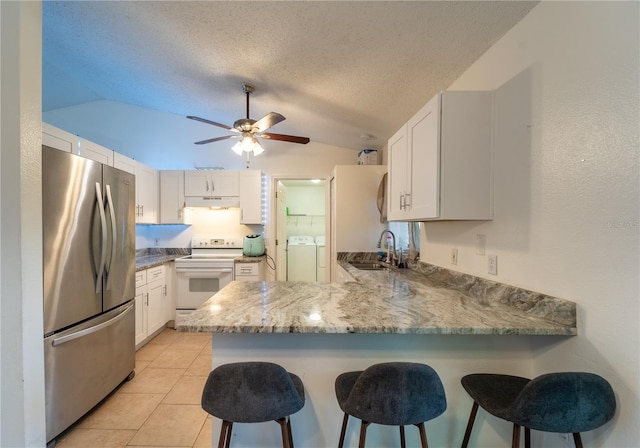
{"x": 204, "y": 269}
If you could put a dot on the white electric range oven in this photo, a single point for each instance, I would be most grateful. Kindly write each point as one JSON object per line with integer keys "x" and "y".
{"x": 206, "y": 271}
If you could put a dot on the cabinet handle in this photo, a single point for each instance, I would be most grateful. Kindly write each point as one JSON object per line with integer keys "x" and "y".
{"x": 401, "y": 201}
{"x": 142, "y": 210}
{"x": 165, "y": 290}
{"x": 213, "y": 186}
{"x": 407, "y": 198}
{"x": 207, "y": 182}
{"x": 147, "y": 299}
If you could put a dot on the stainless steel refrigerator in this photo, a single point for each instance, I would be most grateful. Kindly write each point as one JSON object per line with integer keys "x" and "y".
{"x": 89, "y": 284}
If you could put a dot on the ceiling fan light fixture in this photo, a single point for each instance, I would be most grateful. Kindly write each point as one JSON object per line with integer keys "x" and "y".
{"x": 247, "y": 144}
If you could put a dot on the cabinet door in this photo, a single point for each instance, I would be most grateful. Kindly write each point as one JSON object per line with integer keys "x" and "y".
{"x": 146, "y": 194}
{"x": 398, "y": 176}
{"x": 95, "y": 152}
{"x": 224, "y": 183}
{"x": 141, "y": 314}
{"x": 155, "y": 308}
{"x": 59, "y": 139}
{"x": 197, "y": 183}
{"x": 124, "y": 163}
{"x": 169, "y": 291}
{"x": 423, "y": 136}
{"x": 250, "y": 197}
{"x": 171, "y": 196}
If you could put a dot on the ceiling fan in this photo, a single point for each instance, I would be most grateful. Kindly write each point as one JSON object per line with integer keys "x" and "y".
{"x": 249, "y": 130}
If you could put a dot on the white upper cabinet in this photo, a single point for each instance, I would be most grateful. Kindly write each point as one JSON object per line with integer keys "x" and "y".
{"x": 440, "y": 160}
{"x": 171, "y": 197}
{"x": 206, "y": 183}
{"x": 124, "y": 163}
{"x": 147, "y": 182}
{"x": 95, "y": 152}
{"x": 59, "y": 139}
{"x": 398, "y": 179}
{"x": 250, "y": 196}
{"x": 147, "y": 186}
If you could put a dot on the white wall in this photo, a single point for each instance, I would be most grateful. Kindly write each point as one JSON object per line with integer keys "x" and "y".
{"x": 566, "y": 187}
{"x": 22, "y": 419}
{"x": 165, "y": 141}
{"x": 307, "y": 200}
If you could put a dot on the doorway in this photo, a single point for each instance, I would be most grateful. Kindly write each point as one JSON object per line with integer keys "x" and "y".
{"x": 301, "y": 228}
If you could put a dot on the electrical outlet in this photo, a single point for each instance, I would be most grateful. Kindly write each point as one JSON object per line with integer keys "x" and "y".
{"x": 493, "y": 264}
{"x": 481, "y": 244}
{"x": 454, "y": 256}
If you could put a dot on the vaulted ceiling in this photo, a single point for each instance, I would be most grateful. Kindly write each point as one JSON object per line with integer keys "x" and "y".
{"x": 343, "y": 73}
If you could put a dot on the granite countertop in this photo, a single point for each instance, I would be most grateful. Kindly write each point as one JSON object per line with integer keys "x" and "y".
{"x": 245, "y": 259}
{"x": 426, "y": 301}
{"x": 150, "y": 258}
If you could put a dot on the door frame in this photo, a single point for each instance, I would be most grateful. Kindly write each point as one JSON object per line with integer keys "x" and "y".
{"x": 272, "y": 223}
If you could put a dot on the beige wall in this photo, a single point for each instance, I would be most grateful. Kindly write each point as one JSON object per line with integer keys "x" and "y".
{"x": 22, "y": 401}
{"x": 566, "y": 187}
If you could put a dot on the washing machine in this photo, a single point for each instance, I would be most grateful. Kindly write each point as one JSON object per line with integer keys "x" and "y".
{"x": 301, "y": 259}
{"x": 320, "y": 259}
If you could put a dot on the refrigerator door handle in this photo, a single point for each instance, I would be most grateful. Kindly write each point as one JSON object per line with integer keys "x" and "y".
{"x": 103, "y": 248}
{"x": 87, "y": 331}
{"x": 114, "y": 234}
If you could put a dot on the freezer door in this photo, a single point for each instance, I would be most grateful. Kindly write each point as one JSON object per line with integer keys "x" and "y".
{"x": 72, "y": 285}
{"x": 120, "y": 264}
{"x": 85, "y": 363}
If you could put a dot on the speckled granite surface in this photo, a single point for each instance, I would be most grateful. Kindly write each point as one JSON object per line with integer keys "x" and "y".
{"x": 437, "y": 301}
{"x": 156, "y": 256}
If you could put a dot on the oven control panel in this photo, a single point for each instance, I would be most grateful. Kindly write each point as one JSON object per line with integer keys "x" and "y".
{"x": 206, "y": 242}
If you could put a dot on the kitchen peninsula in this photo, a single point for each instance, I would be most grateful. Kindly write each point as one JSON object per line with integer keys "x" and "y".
{"x": 319, "y": 330}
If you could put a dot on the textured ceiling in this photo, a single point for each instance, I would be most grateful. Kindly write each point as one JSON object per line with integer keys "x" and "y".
{"x": 336, "y": 70}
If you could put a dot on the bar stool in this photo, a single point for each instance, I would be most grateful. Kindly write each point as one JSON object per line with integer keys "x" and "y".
{"x": 565, "y": 402}
{"x": 393, "y": 393}
{"x": 252, "y": 392}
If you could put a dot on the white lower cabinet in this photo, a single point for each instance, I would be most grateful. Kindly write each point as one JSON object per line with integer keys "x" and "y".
{"x": 169, "y": 301}
{"x": 247, "y": 272}
{"x": 151, "y": 302}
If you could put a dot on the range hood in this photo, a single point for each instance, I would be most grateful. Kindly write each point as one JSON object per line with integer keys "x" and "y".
{"x": 212, "y": 201}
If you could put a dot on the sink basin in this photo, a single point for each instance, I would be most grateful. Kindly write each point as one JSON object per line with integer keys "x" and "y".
{"x": 368, "y": 266}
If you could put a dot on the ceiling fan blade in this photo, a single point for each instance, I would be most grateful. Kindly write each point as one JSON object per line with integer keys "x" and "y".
{"x": 285, "y": 138}
{"x": 220, "y": 125}
{"x": 272, "y": 118}
{"x": 217, "y": 139}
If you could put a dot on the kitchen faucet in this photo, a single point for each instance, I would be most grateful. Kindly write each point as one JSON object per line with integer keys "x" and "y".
{"x": 393, "y": 237}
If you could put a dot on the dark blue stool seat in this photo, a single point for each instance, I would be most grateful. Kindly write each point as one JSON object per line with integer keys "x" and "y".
{"x": 394, "y": 393}
{"x": 564, "y": 402}
{"x": 252, "y": 392}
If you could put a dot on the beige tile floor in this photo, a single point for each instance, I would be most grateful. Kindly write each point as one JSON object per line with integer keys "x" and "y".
{"x": 160, "y": 407}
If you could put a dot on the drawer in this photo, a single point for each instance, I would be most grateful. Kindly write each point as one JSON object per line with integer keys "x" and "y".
{"x": 248, "y": 269}
{"x": 154, "y": 274}
{"x": 141, "y": 278}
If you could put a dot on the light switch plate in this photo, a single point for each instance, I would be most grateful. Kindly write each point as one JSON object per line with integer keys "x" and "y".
{"x": 481, "y": 244}
{"x": 493, "y": 264}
